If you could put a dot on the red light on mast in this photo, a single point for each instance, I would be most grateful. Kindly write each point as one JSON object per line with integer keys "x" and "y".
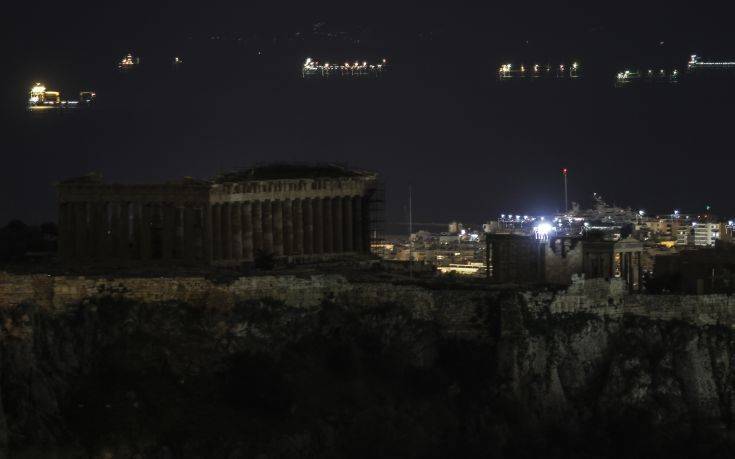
{"x": 564, "y": 171}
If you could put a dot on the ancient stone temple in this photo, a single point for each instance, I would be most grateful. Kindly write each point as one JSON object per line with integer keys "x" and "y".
{"x": 611, "y": 259}
{"x": 299, "y": 212}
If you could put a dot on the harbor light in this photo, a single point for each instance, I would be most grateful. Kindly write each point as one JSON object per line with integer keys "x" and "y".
{"x": 543, "y": 230}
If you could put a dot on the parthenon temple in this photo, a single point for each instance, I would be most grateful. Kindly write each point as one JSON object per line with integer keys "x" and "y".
{"x": 293, "y": 211}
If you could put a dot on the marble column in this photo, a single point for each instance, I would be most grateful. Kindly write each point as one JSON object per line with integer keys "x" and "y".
{"x": 307, "y": 210}
{"x": 318, "y": 225}
{"x": 207, "y": 232}
{"x": 65, "y": 231}
{"x": 99, "y": 230}
{"x": 366, "y": 225}
{"x": 611, "y": 271}
{"x": 288, "y": 227}
{"x": 298, "y": 227}
{"x": 277, "y": 210}
{"x": 113, "y": 230}
{"x": 123, "y": 239}
{"x": 267, "y": 227}
{"x": 169, "y": 231}
{"x": 237, "y": 231}
{"x": 189, "y": 236}
{"x": 257, "y": 226}
{"x": 226, "y": 231}
{"x": 93, "y": 226}
{"x": 337, "y": 225}
{"x": 328, "y": 227}
{"x": 247, "y": 231}
{"x": 347, "y": 223}
{"x": 202, "y": 224}
{"x": 217, "y": 231}
{"x": 81, "y": 213}
{"x": 136, "y": 210}
{"x": 145, "y": 232}
{"x": 357, "y": 224}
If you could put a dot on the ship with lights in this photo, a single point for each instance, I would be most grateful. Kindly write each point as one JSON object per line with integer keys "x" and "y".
{"x": 630, "y": 76}
{"x": 510, "y": 71}
{"x": 312, "y": 68}
{"x": 696, "y": 63}
{"x": 128, "y": 62}
{"x": 41, "y": 98}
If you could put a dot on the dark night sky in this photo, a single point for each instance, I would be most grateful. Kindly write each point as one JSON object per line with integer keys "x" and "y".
{"x": 470, "y": 146}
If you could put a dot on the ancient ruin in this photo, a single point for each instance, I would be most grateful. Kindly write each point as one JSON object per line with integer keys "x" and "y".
{"x": 290, "y": 211}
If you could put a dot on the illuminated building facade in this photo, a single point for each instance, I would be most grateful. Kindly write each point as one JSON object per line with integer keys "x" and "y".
{"x": 706, "y": 233}
{"x": 293, "y": 212}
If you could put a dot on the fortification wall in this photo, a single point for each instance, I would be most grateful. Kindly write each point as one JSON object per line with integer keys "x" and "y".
{"x": 461, "y": 311}
{"x": 558, "y": 268}
{"x": 58, "y": 292}
{"x": 610, "y": 299}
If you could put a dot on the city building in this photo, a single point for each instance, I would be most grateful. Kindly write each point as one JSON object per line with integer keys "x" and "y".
{"x": 289, "y": 211}
{"x": 706, "y": 270}
{"x": 706, "y": 233}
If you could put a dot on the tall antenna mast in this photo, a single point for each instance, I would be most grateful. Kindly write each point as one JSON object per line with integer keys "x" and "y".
{"x": 566, "y": 198}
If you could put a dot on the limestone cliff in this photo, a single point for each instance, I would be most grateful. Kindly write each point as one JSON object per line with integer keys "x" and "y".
{"x": 360, "y": 371}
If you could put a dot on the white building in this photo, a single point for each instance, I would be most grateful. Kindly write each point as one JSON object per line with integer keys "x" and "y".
{"x": 705, "y": 234}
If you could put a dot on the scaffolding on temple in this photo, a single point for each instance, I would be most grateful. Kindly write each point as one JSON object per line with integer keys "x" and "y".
{"x": 376, "y": 208}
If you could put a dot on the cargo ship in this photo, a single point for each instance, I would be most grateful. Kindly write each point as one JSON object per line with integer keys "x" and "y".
{"x": 128, "y": 62}
{"x": 41, "y": 98}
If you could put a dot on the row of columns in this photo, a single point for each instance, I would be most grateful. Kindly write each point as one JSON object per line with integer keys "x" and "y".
{"x": 290, "y": 227}
{"x": 608, "y": 265}
{"x": 131, "y": 231}
{"x": 631, "y": 269}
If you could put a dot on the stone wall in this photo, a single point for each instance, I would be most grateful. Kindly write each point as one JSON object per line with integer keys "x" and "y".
{"x": 459, "y": 310}
{"x": 611, "y": 299}
{"x": 562, "y": 260}
{"x": 60, "y": 291}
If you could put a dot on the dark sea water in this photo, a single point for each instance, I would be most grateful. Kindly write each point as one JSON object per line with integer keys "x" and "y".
{"x": 471, "y": 146}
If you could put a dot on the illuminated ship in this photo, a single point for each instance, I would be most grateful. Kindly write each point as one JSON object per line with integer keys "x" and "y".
{"x": 510, "y": 71}
{"x": 128, "y": 62}
{"x": 629, "y": 76}
{"x": 40, "y": 98}
{"x": 87, "y": 97}
{"x": 314, "y": 68}
{"x": 695, "y": 63}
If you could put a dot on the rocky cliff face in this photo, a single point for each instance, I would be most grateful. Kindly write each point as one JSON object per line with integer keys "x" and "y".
{"x": 112, "y": 377}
